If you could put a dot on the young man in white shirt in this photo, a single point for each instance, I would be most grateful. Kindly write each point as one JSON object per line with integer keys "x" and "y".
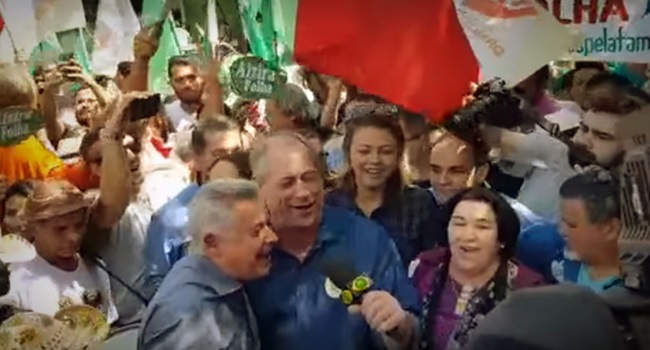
{"x": 187, "y": 82}
{"x": 58, "y": 277}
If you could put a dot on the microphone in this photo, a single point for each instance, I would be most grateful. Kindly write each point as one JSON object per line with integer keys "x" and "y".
{"x": 353, "y": 285}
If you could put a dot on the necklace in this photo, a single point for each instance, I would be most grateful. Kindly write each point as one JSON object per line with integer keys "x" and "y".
{"x": 463, "y": 295}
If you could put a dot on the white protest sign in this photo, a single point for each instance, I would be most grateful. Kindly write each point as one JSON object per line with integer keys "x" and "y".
{"x": 512, "y": 39}
{"x": 612, "y": 30}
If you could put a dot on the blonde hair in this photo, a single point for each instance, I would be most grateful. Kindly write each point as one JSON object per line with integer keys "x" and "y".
{"x": 17, "y": 87}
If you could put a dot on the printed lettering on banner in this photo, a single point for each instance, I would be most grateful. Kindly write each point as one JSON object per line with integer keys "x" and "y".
{"x": 612, "y": 30}
{"x": 510, "y": 38}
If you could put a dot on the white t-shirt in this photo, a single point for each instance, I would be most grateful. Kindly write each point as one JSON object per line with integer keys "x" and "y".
{"x": 40, "y": 287}
{"x": 180, "y": 118}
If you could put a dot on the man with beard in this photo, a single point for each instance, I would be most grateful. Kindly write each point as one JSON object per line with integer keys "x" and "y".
{"x": 296, "y": 303}
{"x": 551, "y": 161}
{"x": 187, "y": 83}
{"x": 88, "y": 101}
{"x": 608, "y": 98}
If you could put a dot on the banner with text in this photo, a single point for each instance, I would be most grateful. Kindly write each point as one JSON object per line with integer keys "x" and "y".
{"x": 612, "y": 30}
{"x": 512, "y": 39}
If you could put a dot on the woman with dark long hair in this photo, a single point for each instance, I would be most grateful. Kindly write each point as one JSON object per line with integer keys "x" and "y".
{"x": 373, "y": 185}
{"x": 459, "y": 285}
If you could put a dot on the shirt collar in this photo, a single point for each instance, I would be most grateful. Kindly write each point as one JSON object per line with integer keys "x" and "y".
{"x": 330, "y": 227}
{"x": 208, "y": 274}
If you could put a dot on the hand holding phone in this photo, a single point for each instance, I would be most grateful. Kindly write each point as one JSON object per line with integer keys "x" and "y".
{"x": 71, "y": 70}
{"x": 144, "y": 107}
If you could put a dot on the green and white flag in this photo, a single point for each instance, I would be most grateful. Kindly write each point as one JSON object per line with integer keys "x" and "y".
{"x": 168, "y": 47}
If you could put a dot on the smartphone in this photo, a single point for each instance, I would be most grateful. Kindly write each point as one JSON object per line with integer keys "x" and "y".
{"x": 143, "y": 108}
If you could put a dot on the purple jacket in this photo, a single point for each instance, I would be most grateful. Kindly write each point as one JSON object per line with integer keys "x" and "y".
{"x": 446, "y": 319}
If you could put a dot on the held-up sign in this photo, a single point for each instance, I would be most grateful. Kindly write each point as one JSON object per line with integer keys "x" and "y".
{"x": 251, "y": 77}
{"x": 17, "y": 124}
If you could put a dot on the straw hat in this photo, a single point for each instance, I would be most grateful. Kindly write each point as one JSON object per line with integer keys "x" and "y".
{"x": 74, "y": 328}
{"x": 52, "y": 198}
{"x": 15, "y": 249}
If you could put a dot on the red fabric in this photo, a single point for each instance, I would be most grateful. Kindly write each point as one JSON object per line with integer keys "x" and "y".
{"x": 412, "y": 52}
{"x": 159, "y": 145}
{"x": 2, "y": 22}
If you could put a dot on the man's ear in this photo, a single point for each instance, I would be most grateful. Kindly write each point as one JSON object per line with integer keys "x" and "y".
{"x": 210, "y": 240}
{"x": 481, "y": 173}
{"x": 613, "y": 229}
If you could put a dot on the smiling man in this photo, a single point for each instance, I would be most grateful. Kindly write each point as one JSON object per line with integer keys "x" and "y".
{"x": 294, "y": 304}
{"x": 202, "y": 304}
{"x": 591, "y": 223}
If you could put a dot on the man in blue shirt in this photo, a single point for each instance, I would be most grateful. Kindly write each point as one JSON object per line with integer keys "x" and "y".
{"x": 590, "y": 208}
{"x": 202, "y": 304}
{"x": 296, "y": 305}
{"x": 211, "y": 138}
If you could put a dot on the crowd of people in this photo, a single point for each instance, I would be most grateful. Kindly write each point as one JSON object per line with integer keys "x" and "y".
{"x": 208, "y": 225}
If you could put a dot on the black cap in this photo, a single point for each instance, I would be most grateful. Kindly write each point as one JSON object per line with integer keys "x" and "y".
{"x": 562, "y": 317}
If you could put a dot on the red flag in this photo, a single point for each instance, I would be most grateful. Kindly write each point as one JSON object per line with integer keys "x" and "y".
{"x": 411, "y": 52}
{"x": 2, "y": 22}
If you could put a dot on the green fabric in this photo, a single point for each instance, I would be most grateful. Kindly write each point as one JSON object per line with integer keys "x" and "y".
{"x": 47, "y": 51}
{"x": 81, "y": 53}
{"x": 622, "y": 70}
{"x": 168, "y": 47}
{"x": 285, "y": 13}
{"x": 257, "y": 18}
{"x": 227, "y": 12}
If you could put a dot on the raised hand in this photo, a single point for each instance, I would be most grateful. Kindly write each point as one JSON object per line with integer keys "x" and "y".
{"x": 146, "y": 42}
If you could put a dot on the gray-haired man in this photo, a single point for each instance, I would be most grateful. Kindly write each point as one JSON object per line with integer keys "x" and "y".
{"x": 201, "y": 304}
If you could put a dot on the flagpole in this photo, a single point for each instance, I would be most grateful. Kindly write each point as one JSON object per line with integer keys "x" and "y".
{"x": 82, "y": 37}
{"x": 212, "y": 27}
{"x": 170, "y": 18}
{"x": 11, "y": 39}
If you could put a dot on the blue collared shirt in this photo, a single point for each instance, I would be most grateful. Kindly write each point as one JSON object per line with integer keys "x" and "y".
{"x": 411, "y": 220}
{"x": 539, "y": 239}
{"x": 295, "y": 311}
{"x": 166, "y": 230}
{"x": 196, "y": 308}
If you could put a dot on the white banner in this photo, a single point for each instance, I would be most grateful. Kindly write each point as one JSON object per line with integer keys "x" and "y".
{"x": 55, "y": 16}
{"x": 512, "y": 39}
{"x": 21, "y": 25}
{"x": 117, "y": 25}
{"x": 612, "y": 30}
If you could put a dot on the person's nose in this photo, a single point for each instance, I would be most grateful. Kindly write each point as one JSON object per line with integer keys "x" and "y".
{"x": 73, "y": 236}
{"x": 270, "y": 236}
{"x": 584, "y": 139}
{"x": 302, "y": 190}
{"x": 444, "y": 179}
{"x": 466, "y": 235}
